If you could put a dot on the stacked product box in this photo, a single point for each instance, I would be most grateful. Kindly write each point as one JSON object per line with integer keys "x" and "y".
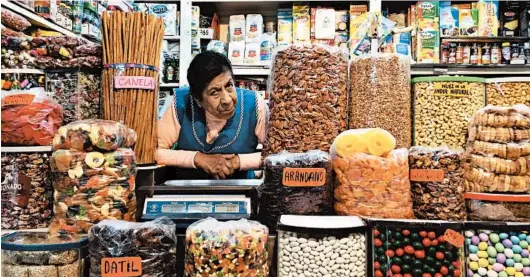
{"x": 428, "y": 32}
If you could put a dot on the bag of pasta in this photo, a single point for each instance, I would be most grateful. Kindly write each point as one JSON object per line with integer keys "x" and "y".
{"x": 372, "y": 176}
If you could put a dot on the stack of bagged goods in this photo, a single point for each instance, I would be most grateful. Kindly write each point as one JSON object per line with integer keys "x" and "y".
{"x": 437, "y": 183}
{"x": 29, "y": 117}
{"x": 380, "y": 95}
{"x": 372, "y": 176}
{"x": 498, "y": 150}
{"x": 295, "y": 183}
{"x": 26, "y": 191}
{"x": 309, "y": 99}
{"x": 49, "y": 52}
{"x": 147, "y": 247}
{"x": 232, "y": 248}
{"x": 93, "y": 174}
{"x": 249, "y": 44}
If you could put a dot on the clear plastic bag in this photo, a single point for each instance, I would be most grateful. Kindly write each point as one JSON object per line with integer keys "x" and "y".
{"x": 309, "y": 87}
{"x": 93, "y": 135}
{"x": 26, "y": 190}
{"x": 29, "y": 117}
{"x": 372, "y": 179}
{"x": 295, "y": 183}
{"x": 380, "y": 95}
{"x": 155, "y": 242}
{"x": 498, "y": 207}
{"x": 14, "y": 21}
{"x": 508, "y": 91}
{"x": 232, "y": 248}
{"x": 443, "y": 107}
{"x": 437, "y": 183}
{"x": 498, "y": 150}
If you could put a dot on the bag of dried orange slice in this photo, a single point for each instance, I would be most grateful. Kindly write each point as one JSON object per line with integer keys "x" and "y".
{"x": 372, "y": 176}
{"x": 29, "y": 117}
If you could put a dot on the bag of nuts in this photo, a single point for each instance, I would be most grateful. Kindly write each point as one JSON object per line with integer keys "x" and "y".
{"x": 508, "y": 91}
{"x": 437, "y": 183}
{"x": 380, "y": 95}
{"x": 443, "y": 107}
{"x": 498, "y": 207}
{"x": 309, "y": 98}
{"x": 498, "y": 150}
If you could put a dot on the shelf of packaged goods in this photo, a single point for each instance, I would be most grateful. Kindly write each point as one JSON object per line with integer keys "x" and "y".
{"x": 21, "y": 71}
{"x": 36, "y": 19}
{"x": 172, "y": 38}
{"x": 251, "y": 70}
{"x": 169, "y": 85}
{"x": 486, "y": 39}
{"x": 25, "y": 149}
{"x": 445, "y": 69}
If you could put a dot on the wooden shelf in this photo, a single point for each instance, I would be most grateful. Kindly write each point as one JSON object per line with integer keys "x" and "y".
{"x": 25, "y": 149}
{"x": 243, "y": 70}
{"x": 22, "y": 70}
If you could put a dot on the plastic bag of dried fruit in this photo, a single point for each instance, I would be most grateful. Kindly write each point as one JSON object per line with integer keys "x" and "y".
{"x": 213, "y": 246}
{"x": 498, "y": 150}
{"x": 308, "y": 86}
{"x": 380, "y": 95}
{"x": 29, "y": 117}
{"x": 14, "y": 21}
{"x": 372, "y": 176}
{"x": 94, "y": 135}
{"x": 295, "y": 183}
{"x": 154, "y": 242}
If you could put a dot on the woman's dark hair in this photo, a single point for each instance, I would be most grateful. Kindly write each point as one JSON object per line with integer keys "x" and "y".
{"x": 204, "y": 68}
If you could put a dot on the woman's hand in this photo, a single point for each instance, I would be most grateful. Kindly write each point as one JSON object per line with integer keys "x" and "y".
{"x": 217, "y": 165}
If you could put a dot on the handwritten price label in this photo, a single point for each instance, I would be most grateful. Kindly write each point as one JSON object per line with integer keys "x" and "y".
{"x": 121, "y": 267}
{"x": 427, "y": 175}
{"x": 18, "y": 99}
{"x": 304, "y": 177}
{"x": 454, "y": 238}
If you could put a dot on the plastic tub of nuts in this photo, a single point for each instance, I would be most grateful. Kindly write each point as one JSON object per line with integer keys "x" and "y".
{"x": 416, "y": 247}
{"x": 443, "y": 107}
{"x": 34, "y": 254}
{"x": 321, "y": 246}
{"x": 498, "y": 207}
{"x": 508, "y": 91}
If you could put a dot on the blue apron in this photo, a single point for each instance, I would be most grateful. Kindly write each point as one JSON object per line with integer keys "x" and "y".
{"x": 237, "y": 137}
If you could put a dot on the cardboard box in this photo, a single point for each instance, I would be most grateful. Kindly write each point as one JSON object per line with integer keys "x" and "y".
{"x": 488, "y": 13}
{"x": 341, "y": 20}
{"x": 428, "y": 49}
{"x": 168, "y": 13}
{"x": 468, "y": 21}
{"x": 285, "y": 27}
{"x": 428, "y": 10}
{"x": 301, "y": 23}
{"x": 355, "y": 12}
{"x": 449, "y": 20}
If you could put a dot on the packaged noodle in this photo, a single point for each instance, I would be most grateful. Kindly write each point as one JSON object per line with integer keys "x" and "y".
{"x": 232, "y": 248}
{"x": 372, "y": 176}
{"x": 29, "y": 117}
{"x": 94, "y": 135}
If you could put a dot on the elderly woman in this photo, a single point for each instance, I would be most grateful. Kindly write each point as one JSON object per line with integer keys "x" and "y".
{"x": 212, "y": 128}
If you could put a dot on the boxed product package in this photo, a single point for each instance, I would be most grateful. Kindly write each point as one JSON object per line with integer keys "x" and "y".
{"x": 449, "y": 17}
{"x": 237, "y": 28}
{"x": 468, "y": 20}
{"x": 267, "y": 45}
{"x": 254, "y": 28}
{"x": 355, "y": 12}
{"x": 168, "y": 12}
{"x": 285, "y": 27}
{"x": 402, "y": 43}
{"x": 428, "y": 9}
{"x": 195, "y": 24}
{"x": 341, "y": 39}
{"x": 341, "y": 20}
{"x": 510, "y": 19}
{"x": 236, "y": 52}
{"x": 428, "y": 49}
{"x": 301, "y": 23}
{"x": 252, "y": 53}
{"x": 488, "y": 13}
{"x": 46, "y": 9}
{"x": 325, "y": 23}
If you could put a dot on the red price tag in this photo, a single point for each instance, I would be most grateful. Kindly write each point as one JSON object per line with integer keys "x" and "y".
{"x": 18, "y": 99}
{"x": 427, "y": 175}
{"x": 454, "y": 238}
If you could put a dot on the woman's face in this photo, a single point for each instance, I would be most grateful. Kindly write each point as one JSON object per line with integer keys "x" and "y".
{"x": 220, "y": 98}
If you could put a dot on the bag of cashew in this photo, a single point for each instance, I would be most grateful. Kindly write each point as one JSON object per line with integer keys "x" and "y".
{"x": 380, "y": 95}
{"x": 498, "y": 150}
{"x": 508, "y": 91}
{"x": 443, "y": 107}
{"x": 309, "y": 87}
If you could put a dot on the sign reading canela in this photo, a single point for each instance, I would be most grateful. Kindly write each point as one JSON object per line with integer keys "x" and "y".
{"x": 138, "y": 82}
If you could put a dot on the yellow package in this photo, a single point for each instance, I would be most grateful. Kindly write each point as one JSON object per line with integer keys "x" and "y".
{"x": 428, "y": 46}
{"x": 488, "y": 13}
{"x": 301, "y": 23}
{"x": 355, "y": 12}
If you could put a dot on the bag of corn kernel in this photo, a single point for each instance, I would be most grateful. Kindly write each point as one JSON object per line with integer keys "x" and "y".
{"x": 372, "y": 176}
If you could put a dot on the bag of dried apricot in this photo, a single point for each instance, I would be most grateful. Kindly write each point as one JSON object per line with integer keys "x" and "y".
{"x": 372, "y": 176}
{"x": 29, "y": 117}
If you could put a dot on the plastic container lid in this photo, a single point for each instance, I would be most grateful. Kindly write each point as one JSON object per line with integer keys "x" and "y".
{"x": 508, "y": 80}
{"x": 308, "y": 223}
{"x": 448, "y": 79}
{"x": 39, "y": 241}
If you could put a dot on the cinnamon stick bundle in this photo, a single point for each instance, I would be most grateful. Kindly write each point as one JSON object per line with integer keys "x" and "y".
{"x": 132, "y": 38}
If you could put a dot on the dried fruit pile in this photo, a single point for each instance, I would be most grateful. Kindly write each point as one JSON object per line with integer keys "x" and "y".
{"x": 372, "y": 177}
{"x": 232, "y": 248}
{"x": 437, "y": 183}
{"x": 28, "y": 118}
{"x": 309, "y": 88}
{"x": 276, "y": 196}
{"x": 26, "y": 190}
{"x": 94, "y": 185}
{"x": 498, "y": 150}
{"x": 380, "y": 95}
{"x": 155, "y": 242}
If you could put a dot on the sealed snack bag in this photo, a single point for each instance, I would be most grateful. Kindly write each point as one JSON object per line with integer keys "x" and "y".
{"x": 372, "y": 176}
{"x": 29, "y": 117}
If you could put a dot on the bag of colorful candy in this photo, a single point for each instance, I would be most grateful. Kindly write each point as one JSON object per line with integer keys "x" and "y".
{"x": 29, "y": 117}
{"x": 232, "y": 248}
